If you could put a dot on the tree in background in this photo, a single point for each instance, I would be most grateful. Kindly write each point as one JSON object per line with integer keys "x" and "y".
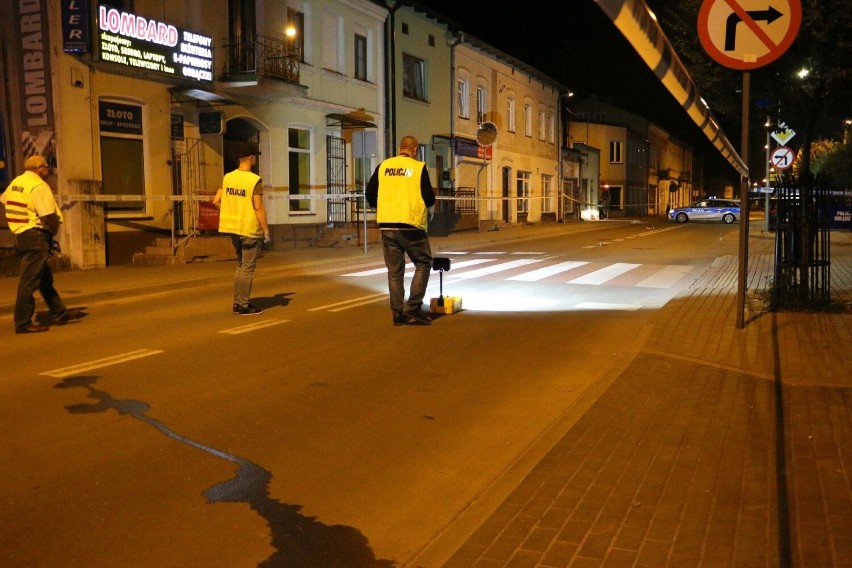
{"x": 809, "y": 86}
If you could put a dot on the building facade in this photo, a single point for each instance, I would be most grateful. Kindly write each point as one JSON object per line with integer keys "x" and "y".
{"x": 517, "y": 178}
{"x": 644, "y": 169}
{"x": 142, "y": 106}
{"x": 141, "y": 110}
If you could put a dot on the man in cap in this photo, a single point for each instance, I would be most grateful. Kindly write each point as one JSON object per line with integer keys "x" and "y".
{"x": 34, "y": 219}
{"x": 242, "y": 214}
{"x": 402, "y": 194}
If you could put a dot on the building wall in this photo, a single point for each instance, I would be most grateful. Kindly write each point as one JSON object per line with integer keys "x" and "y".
{"x": 189, "y": 162}
{"x": 536, "y": 154}
{"x": 428, "y": 40}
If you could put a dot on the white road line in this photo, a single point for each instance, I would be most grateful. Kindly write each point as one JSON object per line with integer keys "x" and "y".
{"x": 98, "y": 363}
{"x": 359, "y": 304}
{"x": 526, "y": 253}
{"x": 368, "y": 299}
{"x": 491, "y": 252}
{"x": 496, "y": 268}
{"x": 605, "y": 306}
{"x": 372, "y": 272}
{"x": 252, "y": 326}
{"x": 666, "y": 277}
{"x": 542, "y": 273}
{"x": 600, "y": 276}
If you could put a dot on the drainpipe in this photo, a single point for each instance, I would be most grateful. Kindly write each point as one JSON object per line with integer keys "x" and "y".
{"x": 452, "y": 164}
{"x": 390, "y": 79}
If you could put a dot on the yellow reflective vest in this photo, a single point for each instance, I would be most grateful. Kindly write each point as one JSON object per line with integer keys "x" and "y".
{"x": 236, "y": 210}
{"x": 400, "y": 200}
{"x": 21, "y": 214}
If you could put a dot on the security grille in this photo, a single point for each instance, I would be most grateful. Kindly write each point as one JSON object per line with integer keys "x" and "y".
{"x": 336, "y": 176}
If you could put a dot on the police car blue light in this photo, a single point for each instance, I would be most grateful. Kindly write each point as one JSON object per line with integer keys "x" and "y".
{"x": 725, "y": 210}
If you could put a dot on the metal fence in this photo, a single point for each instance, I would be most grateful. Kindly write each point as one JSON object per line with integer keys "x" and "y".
{"x": 802, "y": 243}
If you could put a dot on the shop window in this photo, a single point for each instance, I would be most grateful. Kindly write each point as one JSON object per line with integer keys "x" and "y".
{"x": 122, "y": 155}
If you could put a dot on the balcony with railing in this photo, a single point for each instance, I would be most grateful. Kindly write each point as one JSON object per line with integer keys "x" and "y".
{"x": 268, "y": 61}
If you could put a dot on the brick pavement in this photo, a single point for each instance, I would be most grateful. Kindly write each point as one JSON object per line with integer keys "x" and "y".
{"x": 714, "y": 447}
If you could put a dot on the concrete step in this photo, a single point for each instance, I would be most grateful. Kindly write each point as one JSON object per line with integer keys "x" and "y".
{"x": 195, "y": 249}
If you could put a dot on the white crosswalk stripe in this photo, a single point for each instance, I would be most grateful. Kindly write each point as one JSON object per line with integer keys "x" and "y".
{"x": 666, "y": 277}
{"x": 604, "y": 274}
{"x": 497, "y": 268}
{"x": 587, "y": 273}
{"x": 547, "y": 271}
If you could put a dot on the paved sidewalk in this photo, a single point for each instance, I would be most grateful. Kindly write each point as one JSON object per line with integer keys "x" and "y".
{"x": 714, "y": 447}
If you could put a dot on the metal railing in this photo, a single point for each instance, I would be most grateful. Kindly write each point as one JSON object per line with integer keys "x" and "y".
{"x": 266, "y": 56}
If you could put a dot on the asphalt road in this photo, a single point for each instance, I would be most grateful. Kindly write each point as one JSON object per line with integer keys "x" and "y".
{"x": 161, "y": 430}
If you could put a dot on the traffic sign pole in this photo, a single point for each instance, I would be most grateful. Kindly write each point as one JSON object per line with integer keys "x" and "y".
{"x": 766, "y": 187}
{"x": 744, "y": 208}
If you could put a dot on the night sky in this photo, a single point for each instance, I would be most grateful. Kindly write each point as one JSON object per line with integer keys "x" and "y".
{"x": 575, "y": 43}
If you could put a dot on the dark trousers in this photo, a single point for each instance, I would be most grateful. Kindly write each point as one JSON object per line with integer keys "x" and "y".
{"x": 34, "y": 249}
{"x": 248, "y": 251}
{"x": 415, "y": 243}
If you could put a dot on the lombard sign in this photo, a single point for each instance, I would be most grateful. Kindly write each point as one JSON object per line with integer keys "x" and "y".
{"x": 142, "y": 43}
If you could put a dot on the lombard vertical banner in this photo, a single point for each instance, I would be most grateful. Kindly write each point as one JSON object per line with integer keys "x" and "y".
{"x": 32, "y": 51}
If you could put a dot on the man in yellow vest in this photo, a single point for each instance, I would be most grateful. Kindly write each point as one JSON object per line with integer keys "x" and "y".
{"x": 34, "y": 219}
{"x": 243, "y": 216}
{"x": 402, "y": 194}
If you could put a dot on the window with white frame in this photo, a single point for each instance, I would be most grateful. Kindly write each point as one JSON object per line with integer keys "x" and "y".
{"x": 523, "y": 191}
{"x": 463, "y": 98}
{"x": 551, "y": 128}
{"x": 361, "y": 57}
{"x": 615, "y": 152}
{"x": 510, "y": 114}
{"x": 528, "y": 120}
{"x": 413, "y": 77}
{"x": 332, "y": 42}
{"x": 480, "y": 104}
{"x": 542, "y": 125}
{"x": 548, "y": 203}
{"x": 299, "y": 141}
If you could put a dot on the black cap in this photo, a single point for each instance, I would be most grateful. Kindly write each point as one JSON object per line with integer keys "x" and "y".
{"x": 247, "y": 153}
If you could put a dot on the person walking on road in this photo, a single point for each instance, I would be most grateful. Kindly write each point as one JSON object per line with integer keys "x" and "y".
{"x": 242, "y": 214}
{"x": 34, "y": 219}
{"x": 402, "y": 194}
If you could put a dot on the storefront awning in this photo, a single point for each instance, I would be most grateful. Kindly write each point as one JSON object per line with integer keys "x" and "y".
{"x": 347, "y": 121}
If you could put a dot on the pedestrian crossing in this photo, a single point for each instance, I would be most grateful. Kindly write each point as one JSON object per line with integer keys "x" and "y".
{"x": 538, "y": 267}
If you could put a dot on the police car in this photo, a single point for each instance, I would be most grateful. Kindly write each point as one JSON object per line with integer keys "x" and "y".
{"x": 725, "y": 210}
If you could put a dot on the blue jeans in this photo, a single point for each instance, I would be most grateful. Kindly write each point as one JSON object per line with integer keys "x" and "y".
{"x": 415, "y": 243}
{"x": 34, "y": 249}
{"x": 248, "y": 251}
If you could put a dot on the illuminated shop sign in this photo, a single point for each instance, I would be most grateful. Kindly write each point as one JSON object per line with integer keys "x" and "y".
{"x": 142, "y": 43}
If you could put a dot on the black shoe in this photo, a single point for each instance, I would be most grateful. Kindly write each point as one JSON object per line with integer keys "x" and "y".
{"x": 400, "y": 318}
{"x": 249, "y": 310}
{"x": 418, "y": 317}
{"x": 31, "y": 328}
{"x": 60, "y": 319}
{"x": 236, "y": 308}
